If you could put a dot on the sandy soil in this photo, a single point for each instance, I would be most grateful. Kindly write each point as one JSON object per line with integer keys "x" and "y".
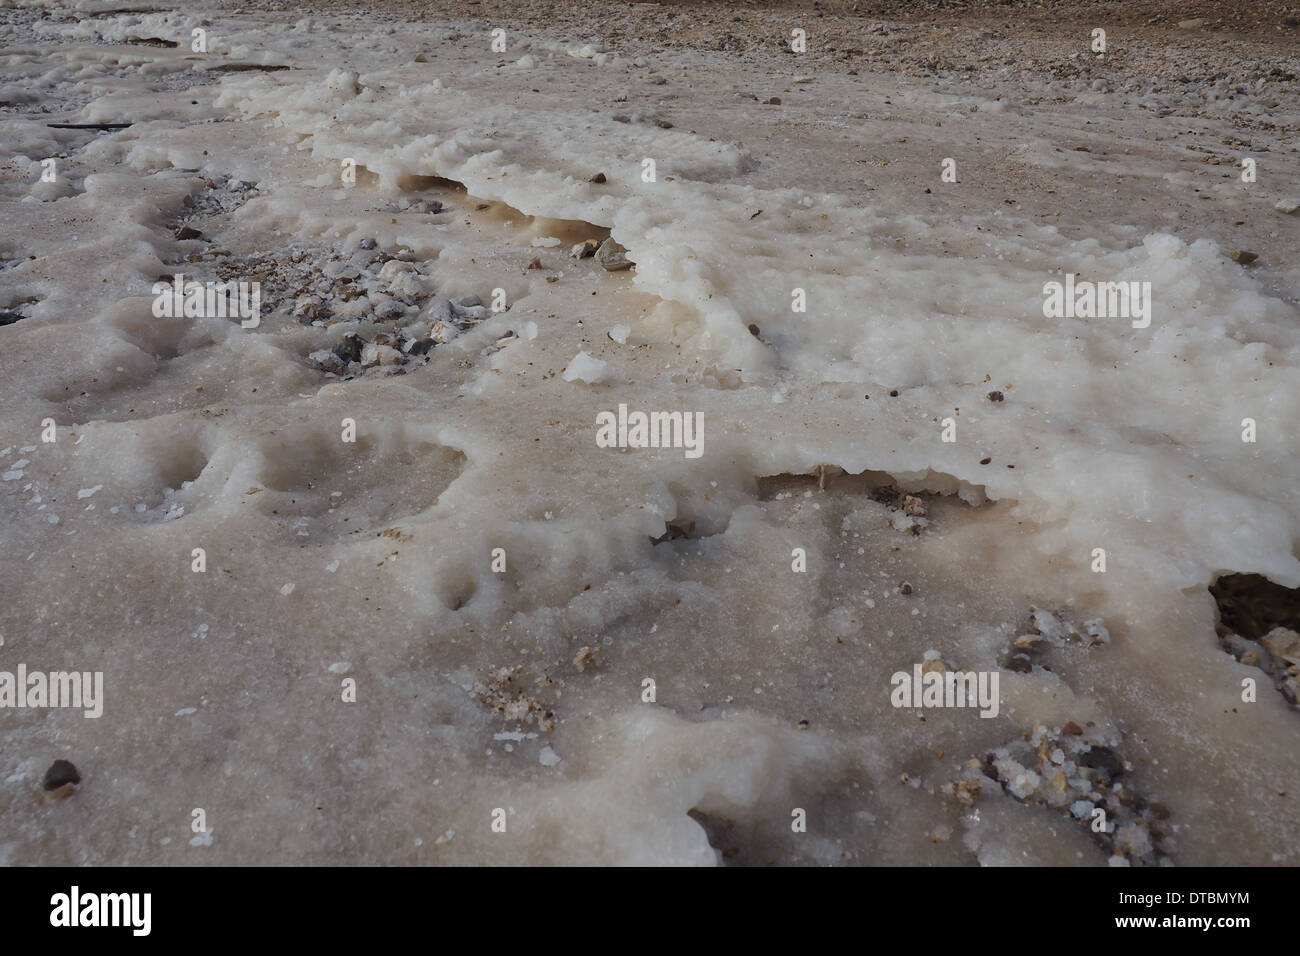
{"x": 1159, "y": 169}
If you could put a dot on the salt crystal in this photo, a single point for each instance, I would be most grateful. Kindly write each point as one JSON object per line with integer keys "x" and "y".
{"x": 583, "y": 368}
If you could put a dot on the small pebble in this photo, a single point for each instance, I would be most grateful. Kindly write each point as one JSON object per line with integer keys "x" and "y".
{"x": 612, "y": 256}
{"x": 61, "y": 772}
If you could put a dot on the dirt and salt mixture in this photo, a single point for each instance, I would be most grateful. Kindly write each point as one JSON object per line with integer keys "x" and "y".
{"x": 475, "y": 614}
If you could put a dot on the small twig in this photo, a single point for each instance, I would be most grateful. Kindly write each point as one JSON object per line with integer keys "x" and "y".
{"x": 247, "y": 67}
{"x": 88, "y": 125}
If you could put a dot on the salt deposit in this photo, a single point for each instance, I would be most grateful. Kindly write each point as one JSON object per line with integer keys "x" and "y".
{"x": 398, "y": 466}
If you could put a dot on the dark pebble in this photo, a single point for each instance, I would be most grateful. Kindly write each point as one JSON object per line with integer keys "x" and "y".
{"x": 1103, "y": 759}
{"x": 61, "y": 772}
{"x": 598, "y": 178}
{"x": 995, "y": 396}
{"x": 9, "y": 318}
{"x": 753, "y": 330}
{"x": 349, "y": 350}
{"x": 422, "y": 346}
{"x": 368, "y": 244}
{"x": 188, "y": 232}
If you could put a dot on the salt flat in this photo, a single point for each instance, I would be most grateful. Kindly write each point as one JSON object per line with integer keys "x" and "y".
{"x": 429, "y": 590}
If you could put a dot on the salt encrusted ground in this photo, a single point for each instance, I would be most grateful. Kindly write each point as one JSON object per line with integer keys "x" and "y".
{"x": 522, "y": 690}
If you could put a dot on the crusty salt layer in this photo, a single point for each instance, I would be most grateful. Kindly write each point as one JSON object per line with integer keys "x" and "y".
{"x": 381, "y": 552}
